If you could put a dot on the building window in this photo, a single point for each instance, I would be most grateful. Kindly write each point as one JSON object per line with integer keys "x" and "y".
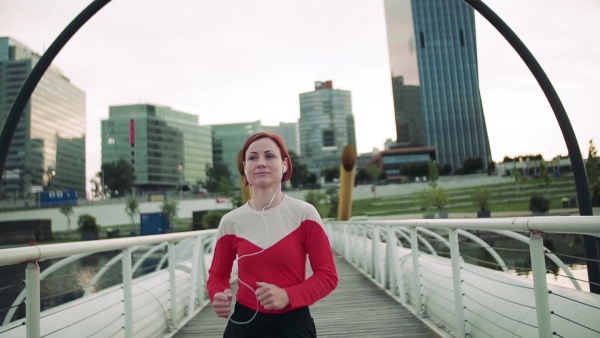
{"x": 328, "y": 138}
{"x": 462, "y": 38}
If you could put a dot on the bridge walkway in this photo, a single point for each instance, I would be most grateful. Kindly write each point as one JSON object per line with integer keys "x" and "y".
{"x": 357, "y": 308}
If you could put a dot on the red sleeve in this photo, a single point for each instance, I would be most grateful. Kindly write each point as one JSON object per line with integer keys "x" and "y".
{"x": 219, "y": 273}
{"x": 324, "y": 278}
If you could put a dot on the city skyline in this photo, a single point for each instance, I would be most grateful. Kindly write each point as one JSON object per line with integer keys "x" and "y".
{"x": 236, "y": 61}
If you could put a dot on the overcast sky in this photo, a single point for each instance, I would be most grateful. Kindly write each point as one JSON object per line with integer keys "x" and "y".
{"x": 239, "y": 61}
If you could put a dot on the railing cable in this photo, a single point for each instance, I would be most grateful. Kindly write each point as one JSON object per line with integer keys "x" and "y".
{"x": 74, "y": 305}
{"x": 478, "y": 329}
{"x": 12, "y": 328}
{"x": 569, "y": 320}
{"x": 11, "y": 286}
{"x": 491, "y": 322}
{"x": 497, "y": 297}
{"x": 80, "y": 320}
{"x": 434, "y": 261}
{"x": 573, "y": 300}
{"x": 497, "y": 281}
{"x": 435, "y": 273}
{"x": 102, "y": 328}
{"x": 500, "y": 314}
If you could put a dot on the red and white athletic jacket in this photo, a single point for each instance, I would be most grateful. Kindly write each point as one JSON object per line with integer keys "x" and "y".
{"x": 295, "y": 230}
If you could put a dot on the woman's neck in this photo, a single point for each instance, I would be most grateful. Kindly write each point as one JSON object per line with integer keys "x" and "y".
{"x": 262, "y": 198}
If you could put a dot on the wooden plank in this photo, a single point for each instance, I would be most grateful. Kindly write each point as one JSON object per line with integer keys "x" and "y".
{"x": 357, "y": 308}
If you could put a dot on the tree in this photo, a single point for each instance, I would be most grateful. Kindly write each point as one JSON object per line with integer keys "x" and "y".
{"x": 226, "y": 188}
{"x": 169, "y": 209}
{"x": 330, "y": 173}
{"x": 334, "y": 198}
{"x": 481, "y": 199}
{"x": 300, "y": 175}
{"x": 67, "y": 210}
{"x": 439, "y": 198}
{"x": 593, "y": 173}
{"x": 517, "y": 176}
{"x": 434, "y": 173}
{"x": 214, "y": 174}
{"x": 132, "y": 208}
{"x": 315, "y": 198}
{"x": 119, "y": 176}
{"x": 374, "y": 172}
{"x": 545, "y": 175}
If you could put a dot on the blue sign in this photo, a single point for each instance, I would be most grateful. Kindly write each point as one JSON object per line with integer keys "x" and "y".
{"x": 57, "y": 198}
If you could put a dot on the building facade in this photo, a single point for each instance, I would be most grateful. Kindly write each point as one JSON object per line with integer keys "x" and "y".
{"x": 433, "y": 60}
{"x": 290, "y": 134}
{"x": 326, "y": 126}
{"x": 48, "y": 147}
{"x": 167, "y": 148}
{"x": 228, "y": 140}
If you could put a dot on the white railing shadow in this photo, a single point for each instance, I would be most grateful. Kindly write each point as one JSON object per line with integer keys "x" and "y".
{"x": 462, "y": 299}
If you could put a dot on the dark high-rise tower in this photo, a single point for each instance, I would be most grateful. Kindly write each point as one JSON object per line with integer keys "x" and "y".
{"x": 435, "y": 83}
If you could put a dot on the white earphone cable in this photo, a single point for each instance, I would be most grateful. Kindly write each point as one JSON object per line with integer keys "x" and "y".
{"x": 262, "y": 214}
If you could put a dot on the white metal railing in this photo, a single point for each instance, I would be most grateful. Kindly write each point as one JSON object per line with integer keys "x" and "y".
{"x": 176, "y": 293}
{"x": 465, "y": 299}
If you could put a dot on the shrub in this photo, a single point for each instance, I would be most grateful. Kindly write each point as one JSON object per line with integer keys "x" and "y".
{"x": 87, "y": 223}
{"x": 538, "y": 203}
{"x": 212, "y": 219}
{"x": 481, "y": 199}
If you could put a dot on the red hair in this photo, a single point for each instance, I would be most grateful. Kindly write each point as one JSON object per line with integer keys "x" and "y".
{"x": 282, "y": 150}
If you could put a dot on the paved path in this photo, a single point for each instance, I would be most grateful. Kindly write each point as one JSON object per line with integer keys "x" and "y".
{"x": 357, "y": 308}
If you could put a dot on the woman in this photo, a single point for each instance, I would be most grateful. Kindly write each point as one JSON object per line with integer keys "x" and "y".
{"x": 271, "y": 236}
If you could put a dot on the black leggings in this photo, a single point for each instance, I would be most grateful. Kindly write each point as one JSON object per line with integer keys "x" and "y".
{"x": 294, "y": 324}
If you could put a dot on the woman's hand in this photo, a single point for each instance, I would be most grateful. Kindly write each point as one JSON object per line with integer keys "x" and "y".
{"x": 222, "y": 303}
{"x": 271, "y": 296}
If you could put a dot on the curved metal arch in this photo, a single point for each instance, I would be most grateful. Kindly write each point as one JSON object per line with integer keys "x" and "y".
{"x": 486, "y": 247}
{"x": 18, "y": 106}
{"x": 591, "y": 244}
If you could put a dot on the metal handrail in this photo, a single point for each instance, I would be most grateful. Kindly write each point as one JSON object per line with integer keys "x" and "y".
{"x": 401, "y": 271}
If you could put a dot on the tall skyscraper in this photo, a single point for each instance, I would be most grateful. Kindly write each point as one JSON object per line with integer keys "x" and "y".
{"x": 433, "y": 61}
{"x": 166, "y": 147}
{"x": 326, "y": 126}
{"x": 48, "y": 147}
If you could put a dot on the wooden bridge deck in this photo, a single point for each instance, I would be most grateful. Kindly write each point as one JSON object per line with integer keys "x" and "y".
{"x": 357, "y": 308}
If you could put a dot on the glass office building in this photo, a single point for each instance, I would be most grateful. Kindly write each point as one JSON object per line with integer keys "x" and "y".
{"x": 433, "y": 60}
{"x": 48, "y": 147}
{"x": 326, "y": 126}
{"x": 166, "y": 147}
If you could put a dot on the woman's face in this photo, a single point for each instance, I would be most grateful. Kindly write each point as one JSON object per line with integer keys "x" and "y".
{"x": 263, "y": 164}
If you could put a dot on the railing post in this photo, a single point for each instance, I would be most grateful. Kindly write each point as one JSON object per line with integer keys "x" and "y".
{"x": 201, "y": 274}
{"x": 364, "y": 255}
{"x": 347, "y": 243}
{"x": 414, "y": 246}
{"x": 395, "y": 269}
{"x": 127, "y": 293}
{"x": 194, "y": 280}
{"x": 375, "y": 255}
{"x": 388, "y": 278}
{"x": 172, "y": 285}
{"x": 540, "y": 286}
{"x": 32, "y": 312}
{"x": 457, "y": 283}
